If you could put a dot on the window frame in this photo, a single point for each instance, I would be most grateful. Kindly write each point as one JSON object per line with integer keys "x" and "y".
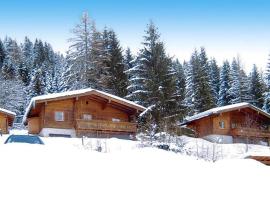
{"x": 56, "y": 116}
{"x": 116, "y": 120}
{"x": 221, "y": 124}
{"x": 85, "y": 118}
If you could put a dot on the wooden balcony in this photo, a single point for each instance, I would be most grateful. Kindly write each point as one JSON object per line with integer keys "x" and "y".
{"x": 250, "y": 132}
{"x": 109, "y": 126}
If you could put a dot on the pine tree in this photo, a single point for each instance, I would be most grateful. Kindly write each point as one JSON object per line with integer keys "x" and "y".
{"x": 203, "y": 99}
{"x": 256, "y": 88}
{"x": 266, "y": 105}
{"x": 2, "y": 54}
{"x": 214, "y": 79}
{"x": 224, "y": 96}
{"x": 189, "y": 91}
{"x": 235, "y": 85}
{"x": 116, "y": 79}
{"x": 79, "y": 54}
{"x": 12, "y": 95}
{"x": 180, "y": 88}
{"x": 26, "y": 65}
{"x": 37, "y": 86}
{"x": 244, "y": 82}
{"x": 97, "y": 54}
{"x": 8, "y": 68}
{"x": 157, "y": 86}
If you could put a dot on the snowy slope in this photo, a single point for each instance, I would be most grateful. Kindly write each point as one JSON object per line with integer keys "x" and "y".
{"x": 63, "y": 169}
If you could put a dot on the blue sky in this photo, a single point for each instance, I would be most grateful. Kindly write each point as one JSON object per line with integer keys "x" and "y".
{"x": 225, "y": 28}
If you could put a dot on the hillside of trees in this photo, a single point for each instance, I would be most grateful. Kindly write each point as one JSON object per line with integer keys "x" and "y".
{"x": 171, "y": 89}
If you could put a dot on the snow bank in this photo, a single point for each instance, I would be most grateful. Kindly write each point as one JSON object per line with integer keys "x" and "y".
{"x": 57, "y": 172}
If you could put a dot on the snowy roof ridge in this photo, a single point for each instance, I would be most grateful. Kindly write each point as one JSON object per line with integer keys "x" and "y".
{"x": 74, "y": 93}
{"x": 224, "y": 109}
{"x": 7, "y": 112}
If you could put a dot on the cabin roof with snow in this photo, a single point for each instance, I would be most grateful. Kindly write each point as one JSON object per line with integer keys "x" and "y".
{"x": 7, "y": 112}
{"x": 223, "y": 109}
{"x": 79, "y": 93}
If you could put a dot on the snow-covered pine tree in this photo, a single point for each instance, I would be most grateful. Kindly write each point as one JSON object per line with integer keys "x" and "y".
{"x": 51, "y": 68}
{"x": 189, "y": 91}
{"x": 128, "y": 59}
{"x": 26, "y": 66}
{"x": 98, "y": 56}
{"x": 203, "y": 99}
{"x": 12, "y": 59}
{"x": 8, "y": 68}
{"x": 38, "y": 55}
{"x": 14, "y": 51}
{"x": 266, "y": 105}
{"x": 12, "y": 95}
{"x": 235, "y": 85}
{"x": 2, "y": 54}
{"x": 256, "y": 88}
{"x": 37, "y": 86}
{"x": 115, "y": 80}
{"x": 224, "y": 96}
{"x": 135, "y": 82}
{"x": 244, "y": 82}
{"x": 214, "y": 79}
{"x": 157, "y": 90}
{"x": 180, "y": 88}
{"x": 79, "y": 54}
{"x": 60, "y": 68}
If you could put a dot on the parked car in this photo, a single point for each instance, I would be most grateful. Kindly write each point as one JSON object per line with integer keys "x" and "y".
{"x": 30, "y": 139}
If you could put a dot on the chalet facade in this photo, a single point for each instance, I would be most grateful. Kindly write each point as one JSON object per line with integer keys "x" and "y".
{"x": 86, "y": 112}
{"x": 6, "y": 120}
{"x": 242, "y": 122}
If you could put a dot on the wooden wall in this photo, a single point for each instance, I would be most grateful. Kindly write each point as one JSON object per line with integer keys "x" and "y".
{"x": 3, "y": 124}
{"x": 225, "y": 117}
{"x": 34, "y": 125}
{"x": 48, "y": 114}
{"x": 202, "y": 127}
{"x": 98, "y": 110}
{"x": 210, "y": 125}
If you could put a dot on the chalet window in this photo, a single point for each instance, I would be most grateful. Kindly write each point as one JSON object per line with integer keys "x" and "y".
{"x": 59, "y": 116}
{"x": 234, "y": 125}
{"x": 222, "y": 124}
{"x": 87, "y": 117}
{"x": 116, "y": 120}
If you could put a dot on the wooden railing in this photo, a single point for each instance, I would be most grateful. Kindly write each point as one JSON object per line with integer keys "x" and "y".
{"x": 102, "y": 125}
{"x": 250, "y": 132}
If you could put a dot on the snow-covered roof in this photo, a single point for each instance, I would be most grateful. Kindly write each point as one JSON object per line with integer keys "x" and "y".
{"x": 222, "y": 109}
{"x": 75, "y": 93}
{"x": 2, "y": 110}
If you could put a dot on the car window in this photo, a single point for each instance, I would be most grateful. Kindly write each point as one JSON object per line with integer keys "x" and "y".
{"x": 24, "y": 139}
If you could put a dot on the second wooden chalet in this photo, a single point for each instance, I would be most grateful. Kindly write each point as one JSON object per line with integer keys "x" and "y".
{"x": 241, "y": 122}
{"x": 6, "y": 120}
{"x": 85, "y": 112}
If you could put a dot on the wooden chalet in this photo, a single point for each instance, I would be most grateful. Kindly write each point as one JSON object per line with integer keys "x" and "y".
{"x": 86, "y": 112}
{"x": 6, "y": 120}
{"x": 243, "y": 122}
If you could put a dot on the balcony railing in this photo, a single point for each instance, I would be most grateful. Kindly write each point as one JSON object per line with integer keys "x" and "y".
{"x": 102, "y": 125}
{"x": 250, "y": 132}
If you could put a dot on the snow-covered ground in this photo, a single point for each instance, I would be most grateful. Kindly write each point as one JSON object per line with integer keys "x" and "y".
{"x": 64, "y": 169}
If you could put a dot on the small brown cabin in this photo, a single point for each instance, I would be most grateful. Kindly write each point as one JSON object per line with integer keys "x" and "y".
{"x": 242, "y": 121}
{"x": 6, "y": 120}
{"x": 86, "y": 112}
